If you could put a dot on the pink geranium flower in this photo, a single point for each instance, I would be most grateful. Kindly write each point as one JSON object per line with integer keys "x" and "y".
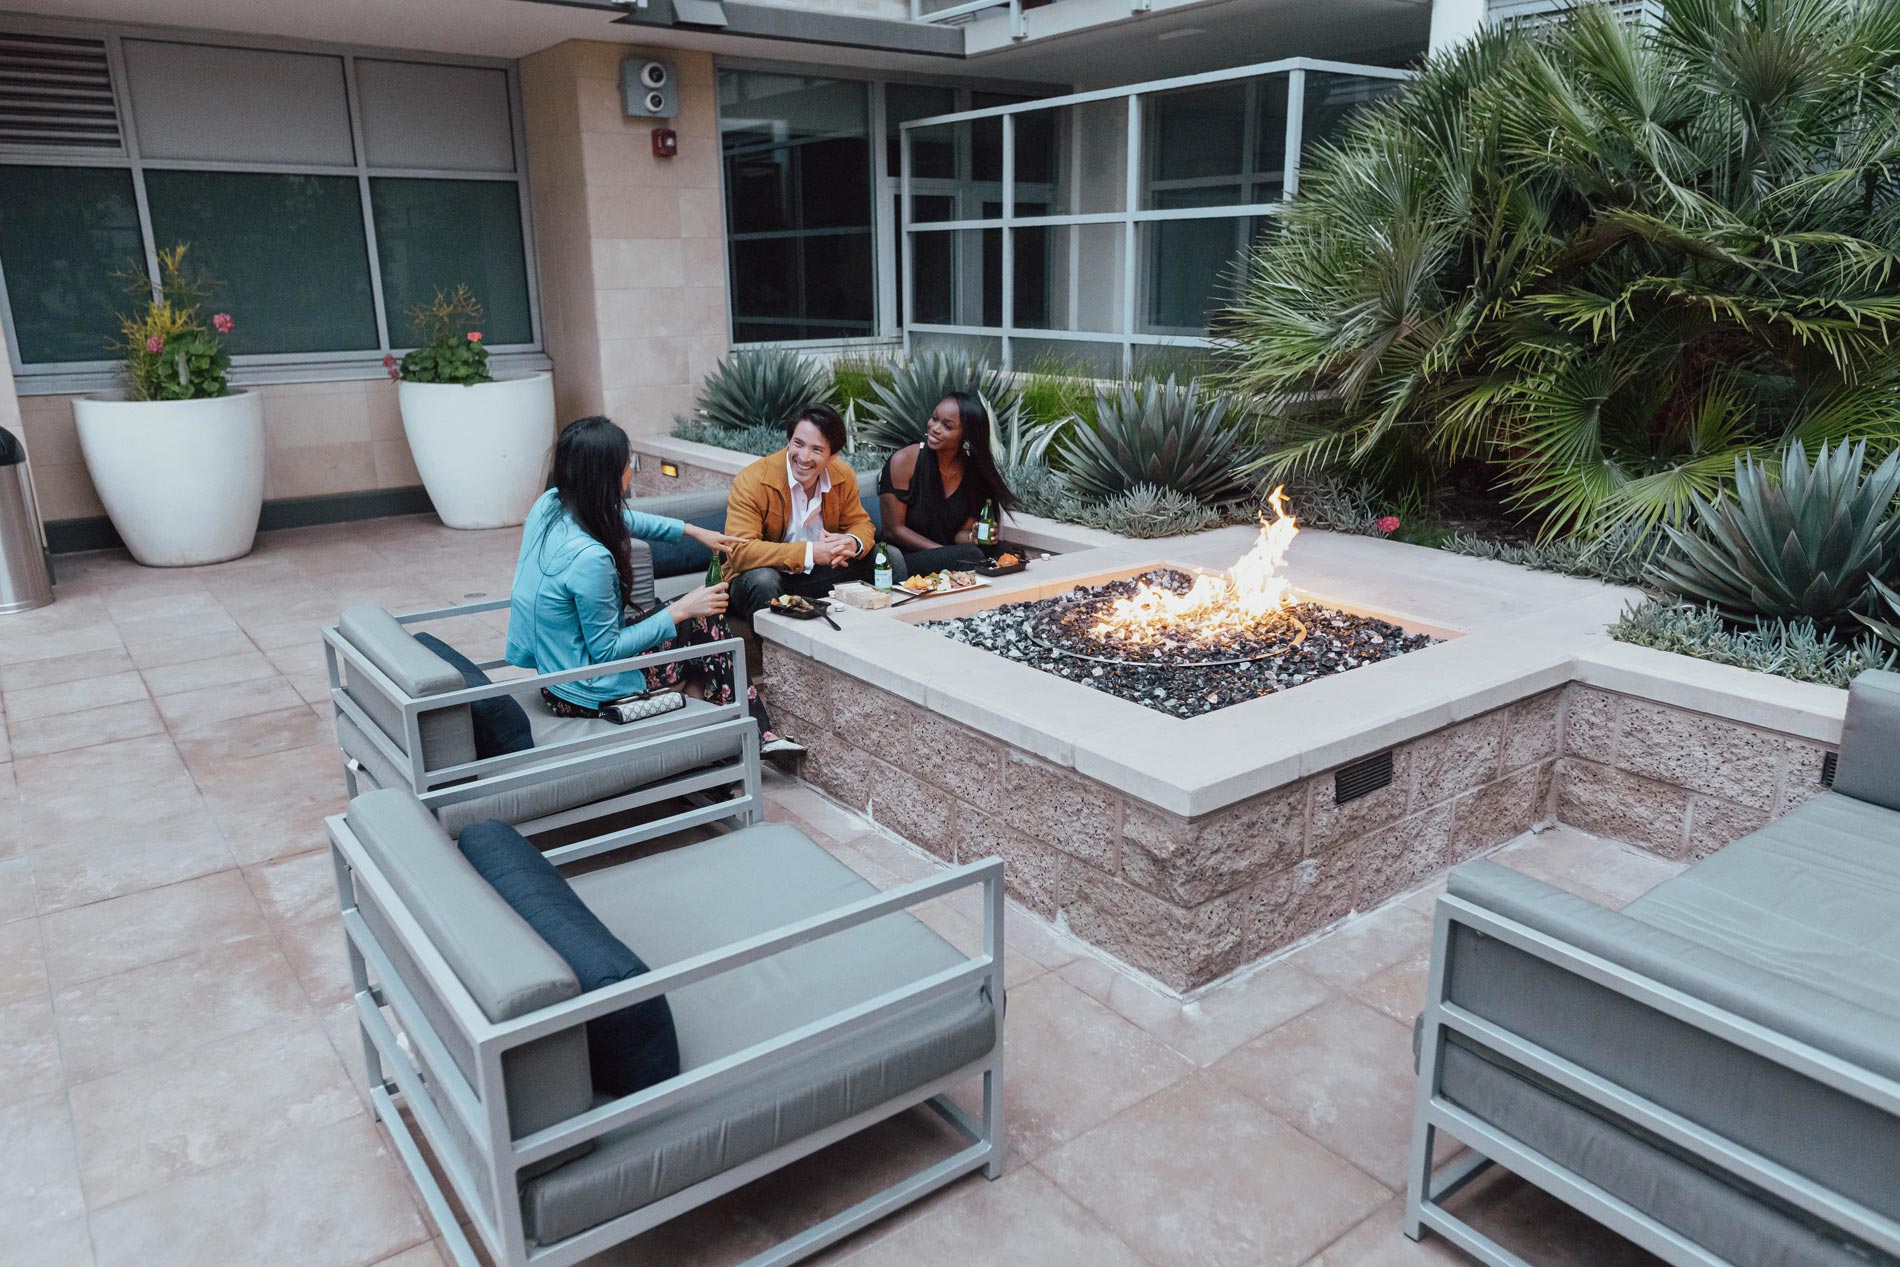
{"x": 154, "y": 344}
{"x": 1388, "y": 525}
{"x": 221, "y": 322}
{"x": 474, "y": 336}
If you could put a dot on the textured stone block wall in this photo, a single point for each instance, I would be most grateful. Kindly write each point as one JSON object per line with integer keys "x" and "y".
{"x": 648, "y": 482}
{"x": 1186, "y": 900}
{"x": 1680, "y": 783}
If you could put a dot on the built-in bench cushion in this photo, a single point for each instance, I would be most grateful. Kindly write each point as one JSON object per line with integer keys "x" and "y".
{"x": 1761, "y": 1104}
{"x": 629, "y": 1050}
{"x": 1813, "y": 897}
{"x": 501, "y": 725}
{"x": 1742, "y": 1228}
{"x": 688, "y": 751}
{"x": 688, "y": 901}
{"x": 504, "y": 965}
{"x": 448, "y": 734}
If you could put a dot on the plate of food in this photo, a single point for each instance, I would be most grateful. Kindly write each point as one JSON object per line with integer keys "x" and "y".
{"x": 931, "y": 584}
{"x": 1006, "y": 563}
{"x": 794, "y": 607}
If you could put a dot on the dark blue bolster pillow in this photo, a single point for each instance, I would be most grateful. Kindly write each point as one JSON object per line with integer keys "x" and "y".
{"x": 501, "y": 725}
{"x": 631, "y": 1049}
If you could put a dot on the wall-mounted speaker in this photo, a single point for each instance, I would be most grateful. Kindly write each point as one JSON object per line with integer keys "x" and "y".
{"x": 648, "y": 88}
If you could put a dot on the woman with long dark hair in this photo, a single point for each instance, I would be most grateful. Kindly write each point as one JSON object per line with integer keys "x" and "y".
{"x": 571, "y": 603}
{"x": 932, "y": 493}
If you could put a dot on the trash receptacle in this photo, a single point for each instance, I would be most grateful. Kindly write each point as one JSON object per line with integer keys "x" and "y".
{"x": 25, "y": 580}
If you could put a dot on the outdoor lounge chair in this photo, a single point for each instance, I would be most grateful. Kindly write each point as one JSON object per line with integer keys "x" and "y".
{"x": 403, "y": 720}
{"x": 1713, "y": 1071}
{"x": 808, "y": 1006}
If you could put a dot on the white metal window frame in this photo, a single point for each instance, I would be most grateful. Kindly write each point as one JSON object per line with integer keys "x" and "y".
{"x": 885, "y": 187}
{"x": 45, "y": 378}
{"x": 1131, "y": 217}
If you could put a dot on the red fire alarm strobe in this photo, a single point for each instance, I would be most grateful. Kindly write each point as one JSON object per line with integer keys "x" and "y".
{"x": 666, "y": 143}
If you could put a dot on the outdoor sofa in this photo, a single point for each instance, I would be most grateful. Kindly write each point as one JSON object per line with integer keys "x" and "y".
{"x": 670, "y": 568}
{"x": 807, "y": 1007}
{"x": 1712, "y": 1071}
{"x": 406, "y": 717}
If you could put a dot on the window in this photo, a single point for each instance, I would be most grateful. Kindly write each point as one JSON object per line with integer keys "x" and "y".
{"x": 799, "y": 231}
{"x": 64, "y": 234}
{"x": 305, "y": 182}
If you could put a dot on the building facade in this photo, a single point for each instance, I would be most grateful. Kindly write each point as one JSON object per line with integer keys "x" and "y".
{"x": 331, "y": 178}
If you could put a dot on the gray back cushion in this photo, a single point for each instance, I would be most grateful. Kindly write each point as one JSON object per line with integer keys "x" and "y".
{"x": 448, "y": 734}
{"x": 1869, "y": 765}
{"x": 505, "y": 966}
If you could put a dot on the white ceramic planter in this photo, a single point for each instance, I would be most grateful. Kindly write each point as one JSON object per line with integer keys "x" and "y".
{"x": 482, "y": 451}
{"x": 181, "y": 479}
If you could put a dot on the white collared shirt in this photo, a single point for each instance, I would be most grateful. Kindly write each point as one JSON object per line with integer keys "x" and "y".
{"x": 808, "y": 513}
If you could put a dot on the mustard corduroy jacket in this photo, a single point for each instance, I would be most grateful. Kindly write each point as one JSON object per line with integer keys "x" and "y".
{"x": 759, "y": 508}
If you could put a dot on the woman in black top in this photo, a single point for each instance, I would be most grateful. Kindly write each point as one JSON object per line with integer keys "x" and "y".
{"x": 932, "y": 493}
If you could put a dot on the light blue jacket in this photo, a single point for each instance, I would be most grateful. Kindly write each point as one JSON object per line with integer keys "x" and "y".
{"x": 564, "y": 612}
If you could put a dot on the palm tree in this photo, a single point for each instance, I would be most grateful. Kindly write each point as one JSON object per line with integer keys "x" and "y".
{"x": 1607, "y": 258}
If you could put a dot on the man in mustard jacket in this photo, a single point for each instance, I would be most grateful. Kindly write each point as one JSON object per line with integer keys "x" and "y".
{"x": 803, "y": 524}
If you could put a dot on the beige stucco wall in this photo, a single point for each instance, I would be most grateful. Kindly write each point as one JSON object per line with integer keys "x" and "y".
{"x": 631, "y": 247}
{"x": 340, "y": 437}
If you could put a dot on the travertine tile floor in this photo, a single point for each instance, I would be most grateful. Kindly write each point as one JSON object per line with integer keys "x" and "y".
{"x": 180, "y": 1082}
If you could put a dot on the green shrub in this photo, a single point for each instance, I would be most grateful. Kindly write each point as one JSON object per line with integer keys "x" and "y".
{"x": 764, "y": 387}
{"x": 1160, "y": 433}
{"x": 1790, "y": 649}
{"x": 755, "y": 440}
{"x": 167, "y": 351}
{"x": 1055, "y": 389}
{"x": 853, "y": 379}
{"x": 1144, "y": 511}
{"x": 448, "y": 345}
{"x": 1618, "y": 558}
{"x": 1335, "y": 505}
{"x": 1607, "y": 258}
{"x": 898, "y": 412}
{"x": 1794, "y": 542}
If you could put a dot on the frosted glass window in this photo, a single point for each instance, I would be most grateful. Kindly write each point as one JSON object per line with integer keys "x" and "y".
{"x": 65, "y": 235}
{"x": 196, "y": 101}
{"x": 436, "y": 234}
{"x": 287, "y": 251}
{"x": 436, "y": 118}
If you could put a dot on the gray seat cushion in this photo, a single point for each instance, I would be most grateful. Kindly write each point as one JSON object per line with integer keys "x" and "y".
{"x": 690, "y": 750}
{"x": 1813, "y": 897}
{"x": 688, "y": 901}
{"x": 448, "y": 734}
{"x": 1743, "y": 1228}
{"x": 1786, "y": 1116}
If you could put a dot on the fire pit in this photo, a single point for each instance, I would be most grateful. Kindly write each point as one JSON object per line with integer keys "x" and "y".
{"x": 1186, "y": 644}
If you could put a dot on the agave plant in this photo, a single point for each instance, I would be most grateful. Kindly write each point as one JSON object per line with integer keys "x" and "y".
{"x": 1608, "y": 258}
{"x": 1803, "y": 542}
{"x": 1161, "y": 433}
{"x": 898, "y": 412}
{"x": 1017, "y": 439}
{"x": 761, "y": 388}
{"x": 1886, "y": 626}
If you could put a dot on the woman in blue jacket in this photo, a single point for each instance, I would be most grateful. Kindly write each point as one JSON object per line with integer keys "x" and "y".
{"x": 570, "y": 605}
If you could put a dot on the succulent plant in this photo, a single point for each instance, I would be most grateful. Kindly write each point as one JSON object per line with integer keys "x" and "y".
{"x": 1886, "y": 625}
{"x": 1162, "y": 433}
{"x": 1803, "y": 542}
{"x": 761, "y": 388}
{"x": 897, "y": 412}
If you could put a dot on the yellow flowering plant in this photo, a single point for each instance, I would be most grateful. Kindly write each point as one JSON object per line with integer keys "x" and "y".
{"x": 168, "y": 348}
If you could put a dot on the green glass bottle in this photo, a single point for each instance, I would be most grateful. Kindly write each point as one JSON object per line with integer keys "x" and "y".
{"x": 716, "y": 570}
{"x": 881, "y": 568}
{"x": 986, "y": 525}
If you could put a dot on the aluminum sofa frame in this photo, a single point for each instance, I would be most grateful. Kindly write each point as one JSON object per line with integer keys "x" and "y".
{"x": 491, "y": 1196}
{"x": 451, "y": 785}
{"x": 1426, "y": 1192}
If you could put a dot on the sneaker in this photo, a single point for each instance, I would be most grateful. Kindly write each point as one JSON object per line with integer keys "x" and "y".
{"x": 774, "y": 744}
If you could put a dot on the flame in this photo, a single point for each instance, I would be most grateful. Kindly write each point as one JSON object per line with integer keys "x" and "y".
{"x": 1248, "y": 595}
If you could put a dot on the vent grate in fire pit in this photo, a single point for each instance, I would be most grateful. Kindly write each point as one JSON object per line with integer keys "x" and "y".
{"x": 1362, "y": 777}
{"x": 1827, "y": 768}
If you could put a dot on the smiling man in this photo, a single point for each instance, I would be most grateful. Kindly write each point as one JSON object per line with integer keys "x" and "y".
{"x": 804, "y": 527}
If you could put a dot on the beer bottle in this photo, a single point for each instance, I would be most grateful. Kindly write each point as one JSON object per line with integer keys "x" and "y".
{"x": 716, "y": 570}
{"x": 986, "y": 525}
{"x": 881, "y": 568}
